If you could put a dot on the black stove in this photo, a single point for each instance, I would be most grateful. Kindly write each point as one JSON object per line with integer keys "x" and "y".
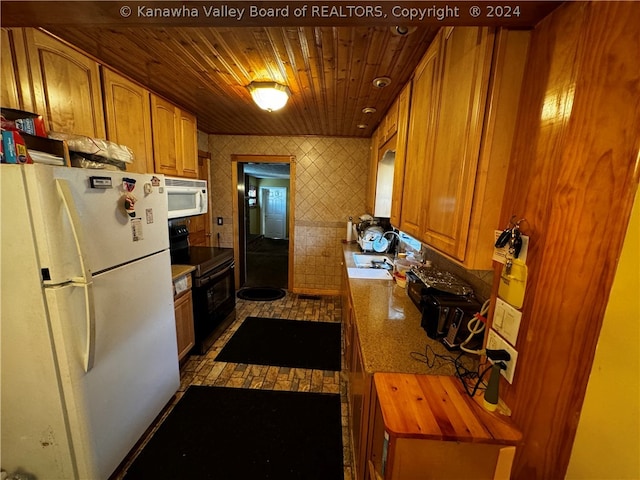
{"x": 214, "y": 300}
{"x": 205, "y": 259}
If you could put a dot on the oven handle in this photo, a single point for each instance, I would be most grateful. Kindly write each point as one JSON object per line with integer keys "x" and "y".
{"x": 217, "y": 275}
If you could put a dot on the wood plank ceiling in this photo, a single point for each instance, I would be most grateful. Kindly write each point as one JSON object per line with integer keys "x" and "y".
{"x": 329, "y": 70}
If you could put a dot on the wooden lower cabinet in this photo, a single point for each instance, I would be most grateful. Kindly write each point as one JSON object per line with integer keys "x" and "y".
{"x": 183, "y": 308}
{"x": 359, "y": 386}
{"x": 359, "y": 402}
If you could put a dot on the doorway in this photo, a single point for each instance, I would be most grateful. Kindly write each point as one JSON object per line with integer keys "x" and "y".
{"x": 263, "y": 220}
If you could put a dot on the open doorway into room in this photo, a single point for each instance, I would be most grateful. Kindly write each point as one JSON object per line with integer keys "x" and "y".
{"x": 263, "y": 220}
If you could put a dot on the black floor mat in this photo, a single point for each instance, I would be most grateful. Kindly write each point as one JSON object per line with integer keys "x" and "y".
{"x": 284, "y": 343}
{"x": 261, "y": 294}
{"x": 233, "y": 433}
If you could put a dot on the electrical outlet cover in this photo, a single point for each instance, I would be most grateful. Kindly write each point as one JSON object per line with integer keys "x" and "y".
{"x": 496, "y": 342}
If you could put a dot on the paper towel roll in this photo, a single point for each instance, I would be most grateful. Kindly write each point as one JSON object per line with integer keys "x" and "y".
{"x": 349, "y": 230}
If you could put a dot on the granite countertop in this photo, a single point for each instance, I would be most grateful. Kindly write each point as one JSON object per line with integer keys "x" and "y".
{"x": 179, "y": 270}
{"x": 388, "y": 327}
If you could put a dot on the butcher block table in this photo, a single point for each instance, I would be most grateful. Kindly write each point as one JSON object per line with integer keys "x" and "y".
{"x": 427, "y": 426}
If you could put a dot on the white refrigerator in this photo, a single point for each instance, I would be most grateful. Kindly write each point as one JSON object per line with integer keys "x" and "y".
{"x": 88, "y": 338}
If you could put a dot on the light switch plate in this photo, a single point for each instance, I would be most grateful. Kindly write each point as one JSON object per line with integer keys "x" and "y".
{"x": 506, "y": 321}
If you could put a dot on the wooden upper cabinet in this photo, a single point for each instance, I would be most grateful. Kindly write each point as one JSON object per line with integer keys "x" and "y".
{"x": 401, "y": 153}
{"x": 389, "y": 124}
{"x": 66, "y": 86}
{"x": 451, "y": 168}
{"x": 463, "y": 109}
{"x": 175, "y": 143}
{"x": 420, "y": 139}
{"x": 373, "y": 173}
{"x": 9, "y": 83}
{"x": 188, "y": 160}
{"x": 510, "y": 55}
{"x": 15, "y": 85}
{"x": 128, "y": 118}
{"x": 165, "y": 117}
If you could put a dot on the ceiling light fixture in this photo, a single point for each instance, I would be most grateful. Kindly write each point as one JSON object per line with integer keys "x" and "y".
{"x": 269, "y": 96}
{"x": 381, "y": 82}
{"x": 402, "y": 30}
{"x": 367, "y": 110}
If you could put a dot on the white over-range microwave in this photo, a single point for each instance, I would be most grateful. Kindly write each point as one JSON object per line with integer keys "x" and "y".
{"x": 186, "y": 197}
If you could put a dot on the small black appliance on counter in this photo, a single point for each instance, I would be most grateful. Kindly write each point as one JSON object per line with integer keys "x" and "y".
{"x": 447, "y": 304}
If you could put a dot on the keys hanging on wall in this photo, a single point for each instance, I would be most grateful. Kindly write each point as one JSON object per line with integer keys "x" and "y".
{"x": 512, "y": 237}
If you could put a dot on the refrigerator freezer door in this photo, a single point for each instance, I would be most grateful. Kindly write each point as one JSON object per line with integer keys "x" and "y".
{"x": 83, "y": 229}
{"x": 34, "y": 433}
{"x": 135, "y": 370}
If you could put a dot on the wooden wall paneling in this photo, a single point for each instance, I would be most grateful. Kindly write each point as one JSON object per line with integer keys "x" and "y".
{"x": 573, "y": 176}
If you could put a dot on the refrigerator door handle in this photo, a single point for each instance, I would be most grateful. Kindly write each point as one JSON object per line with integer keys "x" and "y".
{"x": 76, "y": 227}
{"x": 90, "y": 315}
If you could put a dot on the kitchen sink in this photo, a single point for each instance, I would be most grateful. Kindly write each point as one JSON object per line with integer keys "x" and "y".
{"x": 372, "y": 261}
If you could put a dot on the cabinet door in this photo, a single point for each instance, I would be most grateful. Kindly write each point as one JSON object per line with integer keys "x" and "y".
{"x": 197, "y": 231}
{"x": 401, "y": 153}
{"x": 390, "y": 123}
{"x": 15, "y": 85}
{"x": 128, "y": 116}
{"x": 9, "y": 96}
{"x": 451, "y": 169}
{"x": 184, "y": 324}
{"x": 373, "y": 172}
{"x": 357, "y": 380}
{"x": 165, "y": 118}
{"x": 188, "y": 138}
{"x": 420, "y": 140}
{"x": 66, "y": 86}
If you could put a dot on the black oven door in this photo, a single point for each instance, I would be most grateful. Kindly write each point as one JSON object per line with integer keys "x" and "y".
{"x": 214, "y": 302}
